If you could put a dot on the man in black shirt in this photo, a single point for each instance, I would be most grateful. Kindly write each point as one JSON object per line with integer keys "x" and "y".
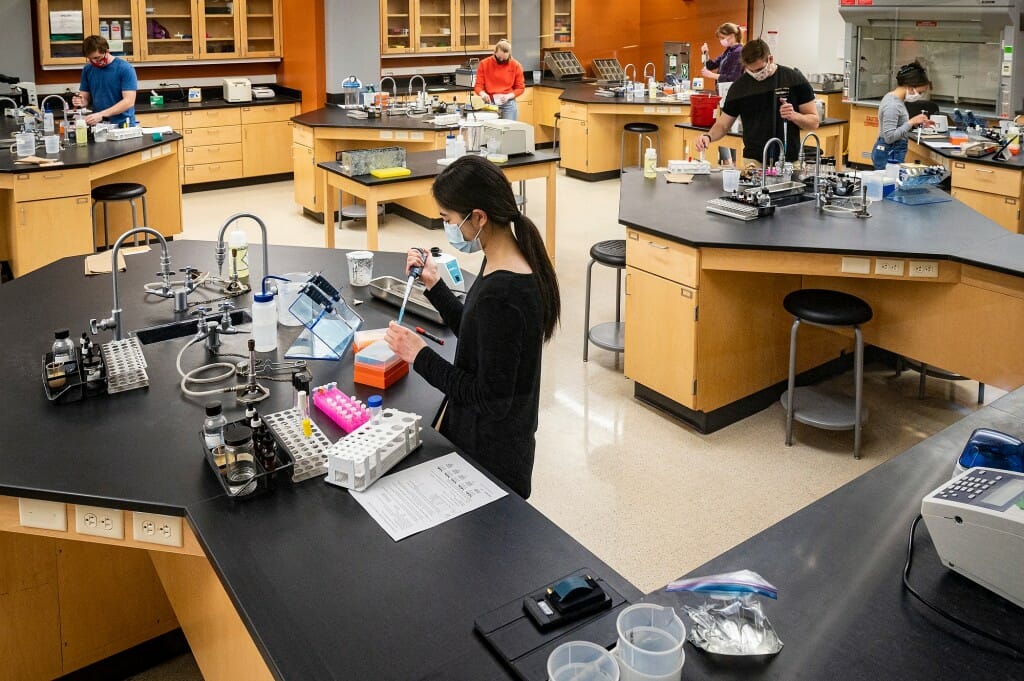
{"x": 769, "y": 99}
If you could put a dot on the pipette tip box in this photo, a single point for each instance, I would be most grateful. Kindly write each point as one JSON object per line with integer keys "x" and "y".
{"x": 376, "y": 365}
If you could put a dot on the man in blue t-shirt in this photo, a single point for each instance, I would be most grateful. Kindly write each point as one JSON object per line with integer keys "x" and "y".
{"x": 108, "y": 84}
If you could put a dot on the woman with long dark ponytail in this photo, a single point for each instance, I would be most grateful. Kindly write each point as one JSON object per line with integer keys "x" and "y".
{"x": 492, "y": 391}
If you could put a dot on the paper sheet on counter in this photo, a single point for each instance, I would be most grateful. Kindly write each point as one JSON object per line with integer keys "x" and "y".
{"x": 99, "y": 263}
{"x": 427, "y": 495}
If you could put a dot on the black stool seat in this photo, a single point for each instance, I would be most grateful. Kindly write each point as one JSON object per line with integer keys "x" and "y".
{"x": 833, "y": 308}
{"x": 611, "y": 252}
{"x": 118, "y": 191}
{"x": 640, "y": 127}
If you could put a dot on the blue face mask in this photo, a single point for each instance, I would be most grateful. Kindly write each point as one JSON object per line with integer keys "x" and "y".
{"x": 458, "y": 241}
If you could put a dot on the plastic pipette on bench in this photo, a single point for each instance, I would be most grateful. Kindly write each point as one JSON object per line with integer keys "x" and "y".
{"x": 414, "y": 273}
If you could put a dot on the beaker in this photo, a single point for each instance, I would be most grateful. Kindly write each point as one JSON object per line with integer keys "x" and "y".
{"x": 25, "y": 142}
{"x": 730, "y": 180}
{"x": 651, "y": 641}
{"x": 288, "y": 293}
{"x": 360, "y": 267}
{"x": 239, "y": 466}
{"x": 581, "y": 661}
{"x": 52, "y": 143}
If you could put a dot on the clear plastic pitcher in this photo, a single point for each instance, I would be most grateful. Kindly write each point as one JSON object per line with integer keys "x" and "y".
{"x": 582, "y": 661}
{"x": 25, "y": 143}
{"x": 650, "y": 642}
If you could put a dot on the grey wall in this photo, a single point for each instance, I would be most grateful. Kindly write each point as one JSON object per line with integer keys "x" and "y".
{"x": 16, "y": 38}
{"x": 352, "y": 42}
{"x": 526, "y": 33}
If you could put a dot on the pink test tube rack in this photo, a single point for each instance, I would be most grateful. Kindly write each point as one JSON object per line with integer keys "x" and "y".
{"x": 349, "y": 413}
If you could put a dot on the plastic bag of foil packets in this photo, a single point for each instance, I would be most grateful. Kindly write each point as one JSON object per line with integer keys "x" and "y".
{"x": 731, "y": 621}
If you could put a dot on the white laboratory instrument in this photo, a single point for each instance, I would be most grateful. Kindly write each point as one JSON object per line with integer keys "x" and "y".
{"x": 451, "y": 273}
{"x": 515, "y": 137}
{"x": 237, "y": 90}
{"x": 976, "y": 521}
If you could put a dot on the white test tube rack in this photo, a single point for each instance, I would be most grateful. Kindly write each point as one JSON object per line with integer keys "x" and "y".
{"x": 357, "y": 460}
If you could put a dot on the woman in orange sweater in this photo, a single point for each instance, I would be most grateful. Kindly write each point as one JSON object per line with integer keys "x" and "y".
{"x": 499, "y": 79}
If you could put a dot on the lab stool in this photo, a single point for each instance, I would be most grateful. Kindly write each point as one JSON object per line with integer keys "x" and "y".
{"x": 609, "y": 335}
{"x": 640, "y": 130}
{"x": 118, "y": 191}
{"x": 521, "y": 196}
{"x": 822, "y": 307}
{"x": 924, "y": 370}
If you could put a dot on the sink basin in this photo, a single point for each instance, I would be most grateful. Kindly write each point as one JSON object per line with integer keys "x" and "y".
{"x": 186, "y": 327}
{"x": 790, "y": 199}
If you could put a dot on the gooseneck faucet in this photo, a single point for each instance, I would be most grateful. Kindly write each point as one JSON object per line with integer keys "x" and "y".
{"x": 114, "y": 320}
{"x": 625, "y": 71}
{"x": 654, "y": 70}
{"x": 394, "y": 89}
{"x": 12, "y": 101}
{"x": 764, "y": 158}
{"x": 818, "y": 199}
{"x": 221, "y": 250}
{"x": 63, "y": 103}
{"x": 423, "y": 84}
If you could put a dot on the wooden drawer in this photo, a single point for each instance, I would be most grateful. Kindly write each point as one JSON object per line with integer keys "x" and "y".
{"x": 664, "y": 258}
{"x": 154, "y": 120}
{"x": 204, "y": 118}
{"x": 302, "y": 134}
{"x": 213, "y": 153}
{"x": 198, "y": 137}
{"x": 1002, "y": 210}
{"x": 268, "y": 113}
{"x": 51, "y": 184}
{"x": 984, "y": 178}
{"x": 574, "y": 111}
{"x": 213, "y": 172}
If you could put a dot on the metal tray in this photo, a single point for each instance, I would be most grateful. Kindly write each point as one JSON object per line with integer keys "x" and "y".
{"x": 392, "y": 290}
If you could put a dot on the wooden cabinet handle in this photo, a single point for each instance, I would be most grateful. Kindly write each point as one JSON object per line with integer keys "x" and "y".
{"x": 21, "y": 212}
{"x": 53, "y": 176}
{"x": 627, "y": 283}
{"x": 985, "y": 170}
{"x": 658, "y": 246}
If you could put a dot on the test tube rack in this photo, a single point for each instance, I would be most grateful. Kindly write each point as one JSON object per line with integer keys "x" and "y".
{"x": 364, "y": 455}
{"x": 309, "y": 453}
{"x": 126, "y": 365}
{"x": 348, "y": 412}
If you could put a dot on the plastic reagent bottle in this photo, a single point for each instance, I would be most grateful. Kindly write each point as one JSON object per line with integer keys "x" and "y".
{"x": 48, "y": 122}
{"x": 81, "y": 133}
{"x": 239, "y": 246}
{"x": 104, "y": 29}
{"x": 115, "y": 30}
{"x": 213, "y": 425}
{"x": 264, "y": 322}
{"x": 64, "y": 349}
{"x": 449, "y": 146}
{"x": 650, "y": 162}
{"x": 374, "y": 402}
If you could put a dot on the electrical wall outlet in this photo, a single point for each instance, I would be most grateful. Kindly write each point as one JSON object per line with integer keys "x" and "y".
{"x": 857, "y": 265}
{"x": 924, "y": 268}
{"x": 890, "y": 268}
{"x": 99, "y": 522}
{"x": 46, "y": 515}
{"x": 157, "y": 529}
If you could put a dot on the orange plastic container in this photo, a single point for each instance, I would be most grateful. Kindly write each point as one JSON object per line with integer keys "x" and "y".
{"x": 702, "y": 109}
{"x": 379, "y": 378}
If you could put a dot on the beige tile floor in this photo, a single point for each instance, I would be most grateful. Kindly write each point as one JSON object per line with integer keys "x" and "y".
{"x": 651, "y": 497}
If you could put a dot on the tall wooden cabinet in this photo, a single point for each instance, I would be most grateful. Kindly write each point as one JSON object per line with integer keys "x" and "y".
{"x": 160, "y": 30}
{"x": 438, "y": 26}
{"x": 557, "y": 19}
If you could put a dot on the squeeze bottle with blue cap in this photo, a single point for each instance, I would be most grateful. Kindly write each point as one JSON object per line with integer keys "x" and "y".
{"x": 374, "y": 402}
{"x": 264, "y": 322}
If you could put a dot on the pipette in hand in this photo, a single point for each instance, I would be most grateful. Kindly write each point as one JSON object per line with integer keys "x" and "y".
{"x": 414, "y": 273}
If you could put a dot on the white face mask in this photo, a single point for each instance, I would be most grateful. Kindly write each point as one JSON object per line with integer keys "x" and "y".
{"x": 458, "y": 241}
{"x": 914, "y": 96}
{"x": 765, "y": 72}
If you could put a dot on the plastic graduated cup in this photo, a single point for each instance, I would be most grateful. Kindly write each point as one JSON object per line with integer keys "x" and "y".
{"x": 25, "y": 143}
{"x": 52, "y": 143}
{"x": 730, "y": 179}
{"x": 650, "y": 646}
{"x": 287, "y": 293}
{"x": 582, "y": 661}
{"x": 360, "y": 267}
{"x": 873, "y": 183}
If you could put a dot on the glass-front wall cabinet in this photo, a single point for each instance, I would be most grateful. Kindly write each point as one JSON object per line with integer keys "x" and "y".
{"x": 436, "y": 19}
{"x": 397, "y": 23}
{"x": 471, "y": 24}
{"x": 499, "y": 26}
{"x": 171, "y": 27}
{"x": 218, "y": 29}
{"x": 261, "y": 36}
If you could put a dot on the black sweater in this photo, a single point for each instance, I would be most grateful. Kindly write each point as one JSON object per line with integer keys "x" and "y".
{"x": 493, "y": 389}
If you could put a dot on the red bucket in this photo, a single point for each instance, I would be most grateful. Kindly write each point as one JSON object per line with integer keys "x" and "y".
{"x": 702, "y": 110}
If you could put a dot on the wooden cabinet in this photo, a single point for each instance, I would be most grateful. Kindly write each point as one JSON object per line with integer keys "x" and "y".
{"x": 557, "y": 19}
{"x": 195, "y": 29}
{"x": 50, "y": 229}
{"x": 525, "y": 106}
{"x": 304, "y": 169}
{"x": 266, "y": 142}
{"x": 661, "y": 316}
{"x": 432, "y": 26}
{"x": 996, "y": 193}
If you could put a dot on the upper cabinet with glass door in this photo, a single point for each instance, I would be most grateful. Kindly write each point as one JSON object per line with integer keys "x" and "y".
{"x": 499, "y": 24}
{"x": 118, "y": 22}
{"x": 218, "y": 29}
{"x": 63, "y": 24}
{"x": 471, "y": 24}
{"x": 397, "y": 24}
{"x": 171, "y": 28}
{"x": 436, "y": 20}
{"x": 261, "y": 34}
{"x": 557, "y": 16}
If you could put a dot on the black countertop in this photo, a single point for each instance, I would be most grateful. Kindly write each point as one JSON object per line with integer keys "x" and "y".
{"x": 824, "y": 124}
{"x": 947, "y": 231}
{"x": 175, "y": 99}
{"x": 324, "y": 591}
{"x": 333, "y": 117}
{"x": 81, "y": 157}
{"x": 423, "y": 164}
{"x": 842, "y": 611}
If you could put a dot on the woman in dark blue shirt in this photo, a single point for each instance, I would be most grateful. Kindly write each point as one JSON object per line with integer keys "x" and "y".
{"x": 728, "y": 66}
{"x": 492, "y": 391}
